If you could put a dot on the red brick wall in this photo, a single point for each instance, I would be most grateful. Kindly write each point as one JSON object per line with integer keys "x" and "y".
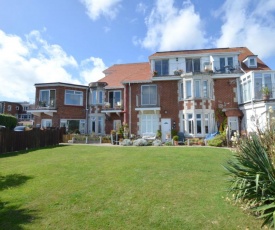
{"x": 168, "y": 93}
{"x": 224, "y": 93}
{"x": 63, "y": 111}
{"x": 13, "y": 111}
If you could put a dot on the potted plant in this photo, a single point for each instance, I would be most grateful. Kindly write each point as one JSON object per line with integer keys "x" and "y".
{"x": 113, "y": 137}
{"x": 158, "y": 135}
{"x": 155, "y": 73}
{"x": 178, "y": 72}
{"x": 266, "y": 93}
{"x": 107, "y": 105}
{"x": 201, "y": 142}
{"x": 176, "y": 139}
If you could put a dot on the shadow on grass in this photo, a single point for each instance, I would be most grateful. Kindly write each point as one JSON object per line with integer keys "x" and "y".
{"x": 12, "y": 180}
{"x": 12, "y": 154}
{"x": 13, "y": 216}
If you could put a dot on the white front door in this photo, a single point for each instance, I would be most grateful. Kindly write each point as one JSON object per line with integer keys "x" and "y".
{"x": 233, "y": 125}
{"x": 165, "y": 129}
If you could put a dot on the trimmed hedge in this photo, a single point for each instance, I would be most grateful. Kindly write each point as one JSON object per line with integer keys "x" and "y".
{"x": 8, "y": 120}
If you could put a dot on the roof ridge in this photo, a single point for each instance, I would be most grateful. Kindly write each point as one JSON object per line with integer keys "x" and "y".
{"x": 188, "y": 50}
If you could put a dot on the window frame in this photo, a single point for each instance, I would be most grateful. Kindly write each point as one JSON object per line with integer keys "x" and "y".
{"x": 193, "y": 65}
{"x": 97, "y": 97}
{"x": 112, "y": 100}
{"x": 197, "y": 88}
{"x": 153, "y": 96}
{"x": 149, "y": 123}
{"x": 75, "y": 92}
{"x": 162, "y": 67}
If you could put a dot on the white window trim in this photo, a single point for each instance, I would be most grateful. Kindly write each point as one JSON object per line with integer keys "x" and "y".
{"x": 150, "y": 95}
{"x": 82, "y": 94}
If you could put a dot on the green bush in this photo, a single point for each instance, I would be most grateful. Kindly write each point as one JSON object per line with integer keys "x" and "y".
{"x": 140, "y": 142}
{"x": 168, "y": 143}
{"x": 218, "y": 141}
{"x": 157, "y": 143}
{"x": 174, "y": 132}
{"x": 126, "y": 142}
{"x": 252, "y": 179}
{"x": 8, "y": 120}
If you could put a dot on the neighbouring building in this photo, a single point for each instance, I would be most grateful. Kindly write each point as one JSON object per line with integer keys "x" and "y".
{"x": 61, "y": 105}
{"x": 19, "y": 110}
{"x": 193, "y": 91}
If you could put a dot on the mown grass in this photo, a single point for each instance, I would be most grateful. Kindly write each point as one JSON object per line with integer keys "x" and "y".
{"x": 90, "y": 187}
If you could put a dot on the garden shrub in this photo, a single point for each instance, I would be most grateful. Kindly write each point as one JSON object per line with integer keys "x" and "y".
{"x": 157, "y": 143}
{"x": 8, "y": 120}
{"x": 218, "y": 141}
{"x": 140, "y": 142}
{"x": 252, "y": 171}
{"x": 252, "y": 178}
{"x": 126, "y": 142}
{"x": 168, "y": 143}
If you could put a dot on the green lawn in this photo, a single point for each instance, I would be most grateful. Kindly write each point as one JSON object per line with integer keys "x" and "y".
{"x": 90, "y": 187}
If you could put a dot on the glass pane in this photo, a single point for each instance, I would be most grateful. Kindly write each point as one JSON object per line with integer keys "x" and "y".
{"x": 198, "y": 126}
{"x": 71, "y": 98}
{"x": 197, "y": 65}
{"x": 93, "y": 97}
{"x": 44, "y": 97}
{"x": 268, "y": 83}
{"x": 100, "y": 97}
{"x": 73, "y": 126}
{"x": 117, "y": 97}
{"x": 181, "y": 91}
{"x": 222, "y": 64}
{"x": 158, "y": 67}
{"x": 188, "y": 89}
{"x": 230, "y": 61}
{"x": 100, "y": 124}
{"x": 149, "y": 95}
{"x": 205, "y": 89}
{"x": 197, "y": 89}
{"x": 189, "y": 65}
{"x": 165, "y": 67}
{"x": 258, "y": 86}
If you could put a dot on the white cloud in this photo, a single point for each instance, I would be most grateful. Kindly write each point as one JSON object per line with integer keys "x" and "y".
{"x": 26, "y": 62}
{"x": 96, "y": 8}
{"x": 248, "y": 23}
{"x": 169, "y": 28}
{"x": 141, "y": 7}
{"x": 92, "y": 69}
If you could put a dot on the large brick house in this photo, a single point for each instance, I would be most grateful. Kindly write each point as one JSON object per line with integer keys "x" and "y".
{"x": 193, "y": 91}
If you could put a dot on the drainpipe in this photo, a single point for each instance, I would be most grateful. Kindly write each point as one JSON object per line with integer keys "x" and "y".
{"x": 130, "y": 109}
{"x": 87, "y": 110}
{"x": 124, "y": 105}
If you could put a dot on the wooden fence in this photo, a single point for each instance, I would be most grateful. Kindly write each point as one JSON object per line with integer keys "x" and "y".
{"x": 11, "y": 141}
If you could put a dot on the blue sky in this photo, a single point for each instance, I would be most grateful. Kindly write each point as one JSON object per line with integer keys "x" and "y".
{"x": 73, "y": 41}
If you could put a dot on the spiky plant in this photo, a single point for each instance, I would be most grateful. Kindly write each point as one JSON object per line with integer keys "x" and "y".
{"x": 252, "y": 177}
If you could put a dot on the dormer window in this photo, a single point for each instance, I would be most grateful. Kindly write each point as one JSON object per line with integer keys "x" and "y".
{"x": 251, "y": 61}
